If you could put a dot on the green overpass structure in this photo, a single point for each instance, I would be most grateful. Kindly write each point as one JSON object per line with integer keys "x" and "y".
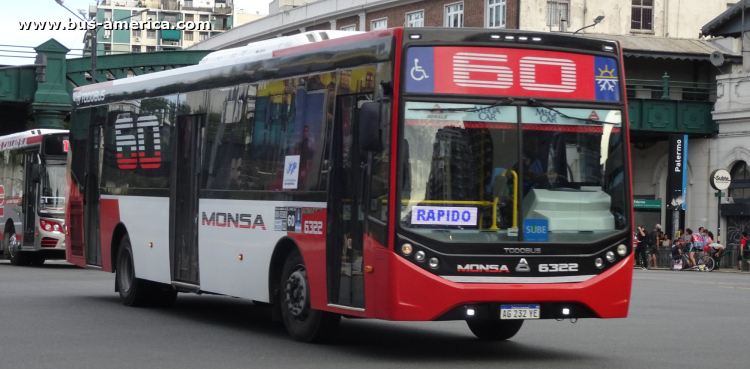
{"x": 28, "y": 104}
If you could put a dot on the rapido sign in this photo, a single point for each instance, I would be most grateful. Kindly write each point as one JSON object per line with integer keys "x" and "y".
{"x": 720, "y": 179}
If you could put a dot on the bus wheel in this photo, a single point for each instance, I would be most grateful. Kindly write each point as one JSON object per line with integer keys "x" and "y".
{"x": 133, "y": 291}
{"x": 303, "y": 323}
{"x": 14, "y": 249}
{"x": 494, "y": 330}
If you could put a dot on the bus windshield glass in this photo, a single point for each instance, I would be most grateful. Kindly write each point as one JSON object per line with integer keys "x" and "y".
{"x": 52, "y": 186}
{"x": 470, "y": 176}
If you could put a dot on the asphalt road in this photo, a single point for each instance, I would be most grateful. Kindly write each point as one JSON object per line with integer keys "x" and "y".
{"x": 58, "y": 316}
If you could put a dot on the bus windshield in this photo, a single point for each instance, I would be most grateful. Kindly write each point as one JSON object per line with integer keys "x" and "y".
{"x": 467, "y": 180}
{"x": 52, "y": 186}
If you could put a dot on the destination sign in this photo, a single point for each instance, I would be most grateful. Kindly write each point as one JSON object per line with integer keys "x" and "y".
{"x": 511, "y": 72}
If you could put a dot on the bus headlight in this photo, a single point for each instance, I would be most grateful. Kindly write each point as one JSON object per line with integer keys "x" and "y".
{"x": 610, "y": 256}
{"x": 599, "y": 263}
{"x": 56, "y": 227}
{"x": 434, "y": 263}
{"x": 622, "y": 250}
{"x": 47, "y": 227}
{"x": 420, "y": 256}
{"x": 406, "y": 249}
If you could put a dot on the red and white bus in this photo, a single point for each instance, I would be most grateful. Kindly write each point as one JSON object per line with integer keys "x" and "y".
{"x": 402, "y": 174}
{"x": 32, "y": 195}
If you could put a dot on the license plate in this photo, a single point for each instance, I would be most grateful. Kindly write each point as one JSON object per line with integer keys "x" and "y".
{"x": 519, "y": 311}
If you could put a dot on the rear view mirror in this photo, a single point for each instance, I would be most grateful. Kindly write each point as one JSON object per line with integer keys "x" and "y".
{"x": 35, "y": 172}
{"x": 369, "y": 127}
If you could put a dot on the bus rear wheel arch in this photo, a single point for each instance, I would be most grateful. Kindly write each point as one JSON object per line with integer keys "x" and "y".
{"x": 136, "y": 292}
{"x": 302, "y": 322}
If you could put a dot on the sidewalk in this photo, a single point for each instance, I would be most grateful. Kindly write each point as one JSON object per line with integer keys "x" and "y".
{"x": 722, "y": 270}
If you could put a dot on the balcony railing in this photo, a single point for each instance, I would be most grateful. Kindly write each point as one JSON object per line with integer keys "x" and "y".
{"x": 170, "y": 5}
{"x": 671, "y": 106}
{"x": 223, "y": 10}
{"x": 125, "y": 3}
{"x": 668, "y": 89}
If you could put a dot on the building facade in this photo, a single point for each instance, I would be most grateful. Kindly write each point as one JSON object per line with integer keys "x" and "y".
{"x": 659, "y": 18}
{"x": 220, "y": 14}
{"x": 288, "y": 17}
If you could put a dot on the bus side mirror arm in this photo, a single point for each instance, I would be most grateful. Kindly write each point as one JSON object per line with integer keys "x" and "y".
{"x": 370, "y": 120}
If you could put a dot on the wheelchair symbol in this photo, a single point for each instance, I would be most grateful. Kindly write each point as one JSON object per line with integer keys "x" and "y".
{"x": 417, "y": 70}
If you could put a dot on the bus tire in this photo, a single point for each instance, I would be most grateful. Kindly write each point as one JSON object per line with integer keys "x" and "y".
{"x": 16, "y": 256}
{"x": 133, "y": 291}
{"x": 302, "y": 322}
{"x": 494, "y": 330}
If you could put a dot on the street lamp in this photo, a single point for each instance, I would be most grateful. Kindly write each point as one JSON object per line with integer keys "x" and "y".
{"x": 94, "y": 33}
{"x": 597, "y": 20}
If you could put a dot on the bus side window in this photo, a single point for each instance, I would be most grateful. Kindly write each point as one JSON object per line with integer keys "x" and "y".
{"x": 225, "y": 137}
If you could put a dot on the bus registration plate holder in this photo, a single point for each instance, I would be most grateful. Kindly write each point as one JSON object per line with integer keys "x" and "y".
{"x": 515, "y": 312}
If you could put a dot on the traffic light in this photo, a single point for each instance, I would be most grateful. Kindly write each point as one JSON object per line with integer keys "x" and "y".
{"x": 41, "y": 67}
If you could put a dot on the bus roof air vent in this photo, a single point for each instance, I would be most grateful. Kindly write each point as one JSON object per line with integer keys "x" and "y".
{"x": 264, "y": 49}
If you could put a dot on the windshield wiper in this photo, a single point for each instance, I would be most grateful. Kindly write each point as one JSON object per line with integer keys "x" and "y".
{"x": 505, "y": 101}
{"x": 534, "y": 102}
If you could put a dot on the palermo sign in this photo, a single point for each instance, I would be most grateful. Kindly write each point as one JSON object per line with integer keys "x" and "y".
{"x": 720, "y": 179}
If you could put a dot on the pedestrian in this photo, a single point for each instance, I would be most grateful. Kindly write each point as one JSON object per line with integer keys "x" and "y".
{"x": 654, "y": 240}
{"x": 695, "y": 241}
{"x": 713, "y": 248}
{"x": 743, "y": 247}
{"x": 686, "y": 238}
{"x": 642, "y": 246}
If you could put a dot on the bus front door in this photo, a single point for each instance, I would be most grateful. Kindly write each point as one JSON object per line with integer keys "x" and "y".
{"x": 91, "y": 195}
{"x": 345, "y": 256}
{"x": 183, "y": 215}
{"x": 29, "y": 199}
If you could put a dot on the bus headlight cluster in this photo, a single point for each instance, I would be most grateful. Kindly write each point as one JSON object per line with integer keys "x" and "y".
{"x": 420, "y": 256}
{"x": 610, "y": 256}
{"x": 50, "y": 226}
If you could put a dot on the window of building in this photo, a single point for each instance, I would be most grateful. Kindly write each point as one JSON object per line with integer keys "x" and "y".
{"x": 151, "y": 16}
{"x": 415, "y": 19}
{"x": 496, "y": 13}
{"x": 189, "y": 17}
{"x": 454, "y": 15}
{"x": 352, "y": 27}
{"x": 188, "y": 3}
{"x": 379, "y": 24}
{"x": 171, "y": 18}
{"x": 557, "y": 10}
{"x": 137, "y": 33}
{"x": 151, "y": 33}
{"x": 107, "y": 15}
{"x": 107, "y": 49}
{"x": 136, "y": 48}
{"x": 203, "y": 36}
{"x": 150, "y": 49}
{"x": 740, "y": 187}
{"x": 204, "y": 17}
{"x": 642, "y": 15}
{"x": 188, "y": 36}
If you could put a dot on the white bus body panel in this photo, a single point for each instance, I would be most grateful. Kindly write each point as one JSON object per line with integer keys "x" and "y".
{"x": 147, "y": 220}
{"x": 221, "y": 270}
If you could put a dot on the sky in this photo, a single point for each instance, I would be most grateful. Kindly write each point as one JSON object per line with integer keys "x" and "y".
{"x": 15, "y": 11}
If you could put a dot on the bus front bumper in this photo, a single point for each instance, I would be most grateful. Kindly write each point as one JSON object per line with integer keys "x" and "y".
{"x": 409, "y": 293}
